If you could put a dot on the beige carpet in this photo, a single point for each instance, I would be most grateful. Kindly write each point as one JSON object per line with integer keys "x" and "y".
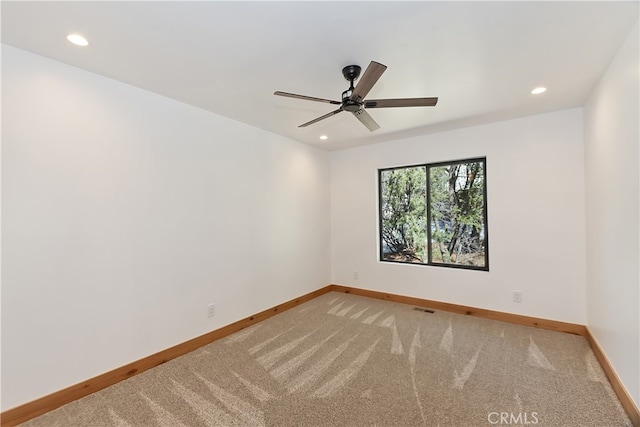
{"x": 344, "y": 360}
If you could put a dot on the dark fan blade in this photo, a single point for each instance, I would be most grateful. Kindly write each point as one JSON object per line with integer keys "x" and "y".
{"x": 366, "y": 82}
{"x": 321, "y": 118}
{"x": 366, "y": 119}
{"x": 308, "y": 98}
{"x": 404, "y": 102}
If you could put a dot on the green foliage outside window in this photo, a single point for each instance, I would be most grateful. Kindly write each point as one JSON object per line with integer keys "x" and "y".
{"x": 404, "y": 201}
{"x": 435, "y": 214}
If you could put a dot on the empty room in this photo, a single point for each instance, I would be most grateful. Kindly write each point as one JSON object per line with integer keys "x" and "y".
{"x": 323, "y": 213}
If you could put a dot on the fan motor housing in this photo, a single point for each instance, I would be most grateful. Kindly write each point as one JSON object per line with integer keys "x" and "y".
{"x": 351, "y": 106}
{"x": 348, "y": 104}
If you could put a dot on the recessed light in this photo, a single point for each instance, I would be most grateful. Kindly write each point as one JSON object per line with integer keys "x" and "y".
{"x": 539, "y": 90}
{"x": 77, "y": 39}
{"x": 324, "y": 137}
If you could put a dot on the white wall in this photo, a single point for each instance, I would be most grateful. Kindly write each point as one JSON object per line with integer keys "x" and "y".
{"x": 125, "y": 213}
{"x": 612, "y": 138}
{"x": 535, "y": 187}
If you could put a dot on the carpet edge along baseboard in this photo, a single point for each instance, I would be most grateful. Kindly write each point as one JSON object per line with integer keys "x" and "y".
{"x": 620, "y": 390}
{"x": 54, "y": 400}
{"x": 37, "y": 407}
{"x": 554, "y": 325}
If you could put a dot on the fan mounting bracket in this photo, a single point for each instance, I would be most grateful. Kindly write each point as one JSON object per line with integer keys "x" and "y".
{"x": 351, "y": 72}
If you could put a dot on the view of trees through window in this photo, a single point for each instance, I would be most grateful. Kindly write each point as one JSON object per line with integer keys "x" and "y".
{"x": 435, "y": 214}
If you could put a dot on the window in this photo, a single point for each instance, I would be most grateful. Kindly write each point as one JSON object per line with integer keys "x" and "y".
{"x": 435, "y": 214}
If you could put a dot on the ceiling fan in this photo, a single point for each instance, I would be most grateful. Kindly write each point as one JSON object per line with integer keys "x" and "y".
{"x": 353, "y": 98}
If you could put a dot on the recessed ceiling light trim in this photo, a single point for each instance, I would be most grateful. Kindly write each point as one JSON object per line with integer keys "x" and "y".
{"x": 539, "y": 90}
{"x": 78, "y": 40}
{"x": 324, "y": 137}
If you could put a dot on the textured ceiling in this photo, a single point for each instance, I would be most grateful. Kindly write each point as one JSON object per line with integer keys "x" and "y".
{"x": 480, "y": 58}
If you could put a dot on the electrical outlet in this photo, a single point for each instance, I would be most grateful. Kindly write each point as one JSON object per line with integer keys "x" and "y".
{"x": 211, "y": 310}
{"x": 356, "y": 275}
{"x": 517, "y": 296}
